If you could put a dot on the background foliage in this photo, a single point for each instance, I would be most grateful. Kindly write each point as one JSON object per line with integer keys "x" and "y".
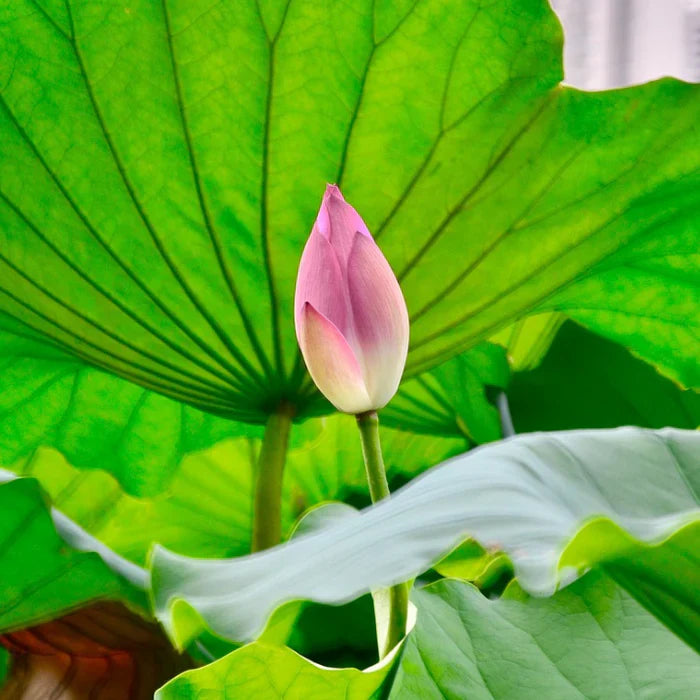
{"x": 160, "y": 168}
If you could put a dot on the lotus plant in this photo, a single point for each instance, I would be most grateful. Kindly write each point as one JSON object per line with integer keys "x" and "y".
{"x": 352, "y": 328}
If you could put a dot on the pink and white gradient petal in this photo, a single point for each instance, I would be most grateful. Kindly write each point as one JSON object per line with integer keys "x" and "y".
{"x": 331, "y": 362}
{"x": 380, "y": 319}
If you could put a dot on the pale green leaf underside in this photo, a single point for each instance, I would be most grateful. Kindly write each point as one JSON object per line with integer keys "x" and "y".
{"x": 591, "y": 640}
{"x": 161, "y": 164}
{"x": 528, "y": 496}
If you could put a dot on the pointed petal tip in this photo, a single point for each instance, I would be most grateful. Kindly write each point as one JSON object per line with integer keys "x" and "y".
{"x": 339, "y": 219}
{"x": 308, "y": 308}
{"x": 333, "y": 197}
{"x": 333, "y": 190}
{"x": 332, "y": 201}
{"x": 302, "y": 312}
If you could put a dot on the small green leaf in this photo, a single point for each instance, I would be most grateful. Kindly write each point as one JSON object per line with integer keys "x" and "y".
{"x": 591, "y": 640}
{"x": 267, "y": 672}
{"x": 466, "y": 561}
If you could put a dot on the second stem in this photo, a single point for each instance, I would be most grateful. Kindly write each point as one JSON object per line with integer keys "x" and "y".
{"x": 267, "y": 517}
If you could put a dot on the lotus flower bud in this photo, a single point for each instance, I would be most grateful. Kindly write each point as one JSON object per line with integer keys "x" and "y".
{"x": 351, "y": 318}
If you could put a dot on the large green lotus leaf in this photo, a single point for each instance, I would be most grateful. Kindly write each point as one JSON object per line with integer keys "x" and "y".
{"x": 528, "y": 496}
{"x": 206, "y": 508}
{"x": 161, "y": 165}
{"x": 591, "y": 640}
{"x": 586, "y": 381}
{"x": 42, "y": 577}
{"x": 451, "y": 399}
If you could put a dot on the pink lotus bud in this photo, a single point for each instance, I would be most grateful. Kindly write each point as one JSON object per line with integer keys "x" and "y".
{"x": 351, "y": 318}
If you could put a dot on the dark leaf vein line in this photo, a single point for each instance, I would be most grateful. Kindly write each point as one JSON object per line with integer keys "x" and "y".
{"x": 356, "y": 110}
{"x": 50, "y": 20}
{"x": 264, "y": 233}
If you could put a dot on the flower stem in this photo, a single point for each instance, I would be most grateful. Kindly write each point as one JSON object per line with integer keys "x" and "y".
{"x": 267, "y": 511}
{"x": 368, "y": 424}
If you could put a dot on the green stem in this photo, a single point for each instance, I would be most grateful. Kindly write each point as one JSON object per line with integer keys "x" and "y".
{"x": 267, "y": 512}
{"x": 368, "y": 423}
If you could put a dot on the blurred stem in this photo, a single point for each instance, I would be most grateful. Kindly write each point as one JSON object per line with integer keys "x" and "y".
{"x": 368, "y": 424}
{"x": 267, "y": 511}
{"x": 507, "y": 428}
